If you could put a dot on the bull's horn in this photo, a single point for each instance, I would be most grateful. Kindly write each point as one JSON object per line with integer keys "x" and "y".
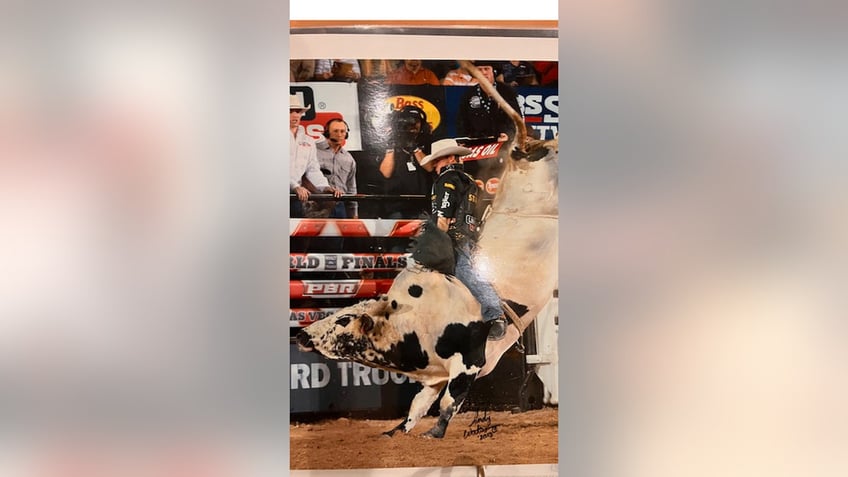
{"x": 489, "y": 88}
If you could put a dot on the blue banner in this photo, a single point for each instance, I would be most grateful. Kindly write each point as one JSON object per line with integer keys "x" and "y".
{"x": 320, "y": 385}
{"x": 539, "y": 106}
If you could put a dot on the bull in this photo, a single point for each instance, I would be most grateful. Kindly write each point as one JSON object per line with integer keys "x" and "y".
{"x": 429, "y": 326}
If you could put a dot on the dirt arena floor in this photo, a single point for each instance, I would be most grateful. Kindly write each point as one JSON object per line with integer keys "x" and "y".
{"x": 500, "y": 438}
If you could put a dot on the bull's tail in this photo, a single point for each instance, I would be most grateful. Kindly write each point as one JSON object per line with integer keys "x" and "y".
{"x": 489, "y": 88}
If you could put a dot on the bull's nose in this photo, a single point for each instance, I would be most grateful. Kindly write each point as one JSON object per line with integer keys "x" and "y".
{"x": 304, "y": 341}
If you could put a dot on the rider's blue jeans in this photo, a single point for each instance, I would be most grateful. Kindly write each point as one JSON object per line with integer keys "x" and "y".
{"x": 482, "y": 290}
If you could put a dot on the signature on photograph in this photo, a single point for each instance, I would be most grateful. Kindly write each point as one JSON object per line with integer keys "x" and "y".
{"x": 481, "y": 427}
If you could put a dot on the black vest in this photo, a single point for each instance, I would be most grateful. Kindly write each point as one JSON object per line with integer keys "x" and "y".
{"x": 466, "y": 225}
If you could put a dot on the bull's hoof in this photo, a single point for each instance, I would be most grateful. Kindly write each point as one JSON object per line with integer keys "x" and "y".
{"x": 399, "y": 427}
{"x": 434, "y": 433}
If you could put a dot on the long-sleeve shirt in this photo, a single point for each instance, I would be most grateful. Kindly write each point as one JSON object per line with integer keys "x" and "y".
{"x": 342, "y": 171}
{"x": 401, "y": 75}
{"x": 304, "y": 161}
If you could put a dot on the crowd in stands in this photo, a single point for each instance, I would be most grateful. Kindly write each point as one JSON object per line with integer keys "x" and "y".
{"x": 324, "y": 166}
{"x": 414, "y": 71}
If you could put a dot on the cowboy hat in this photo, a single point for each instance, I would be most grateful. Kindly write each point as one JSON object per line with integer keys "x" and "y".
{"x": 294, "y": 103}
{"x": 442, "y": 148}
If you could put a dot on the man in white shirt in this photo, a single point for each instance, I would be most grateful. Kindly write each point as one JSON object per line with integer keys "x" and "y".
{"x": 305, "y": 172}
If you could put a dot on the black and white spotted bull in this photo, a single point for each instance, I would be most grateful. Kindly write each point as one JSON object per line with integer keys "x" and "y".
{"x": 428, "y": 326}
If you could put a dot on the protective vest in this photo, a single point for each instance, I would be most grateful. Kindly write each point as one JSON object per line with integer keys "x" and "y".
{"x": 466, "y": 225}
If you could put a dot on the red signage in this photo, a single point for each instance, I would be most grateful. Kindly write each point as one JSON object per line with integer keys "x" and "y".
{"x": 483, "y": 151}
{"x": 366, "y": 288}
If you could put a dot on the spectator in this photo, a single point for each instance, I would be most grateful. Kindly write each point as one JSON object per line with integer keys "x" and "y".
{"x": 412, "y": 72}
{"x": 439, "y": 67}
{"x": 301, "y": 70}
{"x": 410, "y": 138}
{"x": 479, "y": 115}
{"x": 338, "y": 166}
{"x": 376, "y": 71}
{"x": 458, "y": 77}
{"x": 518, "y": 73}
{"x": 304, "y": 170}
{"x": 337, "y": 70}
{"x": 548, "y": 72}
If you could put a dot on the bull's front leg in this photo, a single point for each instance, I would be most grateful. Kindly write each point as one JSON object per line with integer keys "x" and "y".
{"x": 420, "y": 404}
{"x": 455, "y": 395}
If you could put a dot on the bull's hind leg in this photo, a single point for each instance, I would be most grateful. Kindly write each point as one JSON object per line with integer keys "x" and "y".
{"x": 455, "y": 395}
{"x": 420, "y": 404}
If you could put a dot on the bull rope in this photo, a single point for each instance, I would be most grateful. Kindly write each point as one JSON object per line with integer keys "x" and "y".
{"x": 529, "y": 216}
{"x": 515, "y": 213}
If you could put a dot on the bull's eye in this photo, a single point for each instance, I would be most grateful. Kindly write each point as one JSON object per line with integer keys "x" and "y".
{"x": 366, "y": 322}
{"x": 343, "y": 321}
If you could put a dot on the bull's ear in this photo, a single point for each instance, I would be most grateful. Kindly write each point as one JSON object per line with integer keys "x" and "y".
{"x": 366, "y": 322}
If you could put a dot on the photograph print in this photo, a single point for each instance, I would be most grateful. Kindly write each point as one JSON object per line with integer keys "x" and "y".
{"x": 423, "y": 255}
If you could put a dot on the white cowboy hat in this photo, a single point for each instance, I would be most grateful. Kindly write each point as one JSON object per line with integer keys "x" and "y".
{"x": 294, "y": 103}
{"x": 442, "y": 148}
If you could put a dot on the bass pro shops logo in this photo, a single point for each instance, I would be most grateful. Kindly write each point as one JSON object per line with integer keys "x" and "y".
{"x": 434, "y": 117}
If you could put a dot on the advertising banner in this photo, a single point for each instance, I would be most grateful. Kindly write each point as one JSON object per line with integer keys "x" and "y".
{"x": 299, "y": 317}
{"x": 364, "y": 288}
{"x": 540, "y": 107}
{"x": 353, "y": 227}
{"x": 328, "y": 100}
{"x": 321, "y": 385}
{"x": 347, "y": 262}
{"x": 378, "y": 100}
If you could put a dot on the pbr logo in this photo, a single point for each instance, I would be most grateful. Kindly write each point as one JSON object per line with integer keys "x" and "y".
{"x": 330, "y": 288}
